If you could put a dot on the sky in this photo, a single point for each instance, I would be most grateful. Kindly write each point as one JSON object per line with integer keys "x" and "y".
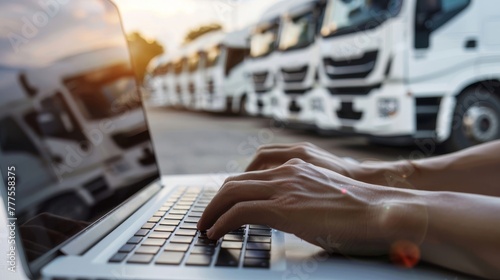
{"x": 169, "y": 20}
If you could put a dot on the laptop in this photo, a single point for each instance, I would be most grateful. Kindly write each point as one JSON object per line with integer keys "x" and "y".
{"x": 80, "y": 182}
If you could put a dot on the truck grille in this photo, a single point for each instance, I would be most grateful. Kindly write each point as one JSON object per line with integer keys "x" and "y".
{"x": 259, "y": 81}
{"x": 210, "y": 87}
{"x": 130, "y": 139}
{"x": 350, "y": 69}
{"x": 294, "y": 75}
{"x": 347, "y": 112}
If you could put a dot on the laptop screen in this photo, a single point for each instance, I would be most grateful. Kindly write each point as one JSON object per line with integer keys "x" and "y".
{"x": 73, "y": 135}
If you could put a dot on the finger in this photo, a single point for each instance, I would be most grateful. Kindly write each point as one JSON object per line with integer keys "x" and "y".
{"x": 259, "y": 175}
{"x": 269, "y": 158}
{"x": 248, "y": 212}
{"x": 230, "y": 194}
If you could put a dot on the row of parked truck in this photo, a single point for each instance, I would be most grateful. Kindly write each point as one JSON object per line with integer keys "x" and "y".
{"x": 396, "y": 71}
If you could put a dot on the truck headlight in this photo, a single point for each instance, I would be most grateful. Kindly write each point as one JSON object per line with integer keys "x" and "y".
{"x": 388, "y": 107}
{"x": 317, "y": 105}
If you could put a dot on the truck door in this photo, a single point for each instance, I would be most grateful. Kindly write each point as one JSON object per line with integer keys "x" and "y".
{"x": 443, "y": 42}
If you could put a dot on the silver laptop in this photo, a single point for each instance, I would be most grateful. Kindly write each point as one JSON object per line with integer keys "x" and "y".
{"x": 80, "y": 178}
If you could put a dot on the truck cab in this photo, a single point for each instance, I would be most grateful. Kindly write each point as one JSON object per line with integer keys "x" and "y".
{"x": 408, "y": 71}
{"x": 298, "y": 64}
{"x": 263, "y": 59}
{"x": 227, "y": 83}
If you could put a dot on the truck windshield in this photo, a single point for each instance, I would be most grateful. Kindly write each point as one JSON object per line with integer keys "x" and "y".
{"x": 349, "y": 16}
{"x": 263, "y": 41}
{"x": 104, "y": 93}
{"x": 297, "y": 32}
{"x": 194, "y": 62}
{"x": 213, "y": 55}
{"x": 178, "y": 67}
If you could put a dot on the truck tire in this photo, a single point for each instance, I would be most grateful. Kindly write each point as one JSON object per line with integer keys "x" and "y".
{"x": 69, "y": 206}
{"x": 476, "y": 120}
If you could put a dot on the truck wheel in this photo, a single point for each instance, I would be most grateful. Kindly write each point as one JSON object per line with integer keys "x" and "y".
{"x": 69, "y": 206}
{"x": 476, "y": 120}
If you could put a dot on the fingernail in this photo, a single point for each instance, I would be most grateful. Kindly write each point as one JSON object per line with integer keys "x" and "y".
{"x": 210, "y": 233}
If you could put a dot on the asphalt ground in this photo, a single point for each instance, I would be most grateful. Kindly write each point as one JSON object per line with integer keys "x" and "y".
{"x": 189, "y": 142}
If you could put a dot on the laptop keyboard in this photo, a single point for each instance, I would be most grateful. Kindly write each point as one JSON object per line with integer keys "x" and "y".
{"x": 170, "y": 237}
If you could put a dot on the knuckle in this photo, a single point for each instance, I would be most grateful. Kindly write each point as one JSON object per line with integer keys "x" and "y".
{"x": 294, "y": 161}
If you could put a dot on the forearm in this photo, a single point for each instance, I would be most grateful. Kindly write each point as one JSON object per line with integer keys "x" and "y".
{"x": 475, "y": 170}
{"x": 462, "y": 233}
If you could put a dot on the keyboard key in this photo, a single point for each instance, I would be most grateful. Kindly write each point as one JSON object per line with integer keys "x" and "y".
{"x": 185, "y": 203}
{"x": 239, "y": 231}
{"x": 170, "y": 258}
{"x": 253, "y": 254}
{"x": 165, "y": 228}
{"x": 178, "y": 212}
{"x": 258, "y": 246}
{"x": 181, "y": 207}
{"x": 150, "y": 250}
{"x": 228, "y": 257}
{"x": 259, "y": 232}
{"x": 232, "y": 245}
{"x": 170, "y": 222}
{"x": 118, "y": 257}
{"x": 206, "y": 242}
{"x": 177, "y": 247}
{"x": 142, "y": 232}
{"x": 140, "y": 258}
{"x": 189, "y": 226}
{"x": 134, "y": 240}
{"x": 163, "y": 208}
{"x": 181, "y": 239}
{"x": 233, "y": 237}
{"x": 192, "y": 220}
{"x": 259, "y": 227}
{"x": 198, "y": 209}
{"x": 199, "y": 260}
{"x": 168, "y": 204}
{"x": 186, "y": 232}
{"x": 159, "y": 213}
{"x": 127, "y": 248}
{"x": 174, "y": 217}
{"x": 256, "y": 263}
{"x": 154, "y": 242}
{"x": 154, "y": 219}
{"x": 262, "y": 239}
{"x": 148, "y": 225}
{"x": 160, "y": 235}
{"x": 195, "y": 215}
{"x": 203, "y": 250}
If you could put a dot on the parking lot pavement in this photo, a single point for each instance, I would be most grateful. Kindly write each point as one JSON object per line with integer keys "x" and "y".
{"x": 195, "y": 142}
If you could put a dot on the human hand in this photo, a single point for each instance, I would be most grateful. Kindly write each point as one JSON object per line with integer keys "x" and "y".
{"x": 274, "y": 155}
{"x": 318, "y": 205}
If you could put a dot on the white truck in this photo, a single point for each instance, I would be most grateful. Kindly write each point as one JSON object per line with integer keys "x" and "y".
{"x": 415, "y": 70}
{"x": 262, "y": 63}
{"x": 298, "y": 64}
{"x": 81, "y": 117}
{"x": 227, "y": 85}
{"x": 157, "y": 80}
{"x": 181, "y": 75}
{"x": 195, "y": 87}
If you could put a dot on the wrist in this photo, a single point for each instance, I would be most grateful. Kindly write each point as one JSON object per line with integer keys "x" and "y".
{"x": 398, "y": 174}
